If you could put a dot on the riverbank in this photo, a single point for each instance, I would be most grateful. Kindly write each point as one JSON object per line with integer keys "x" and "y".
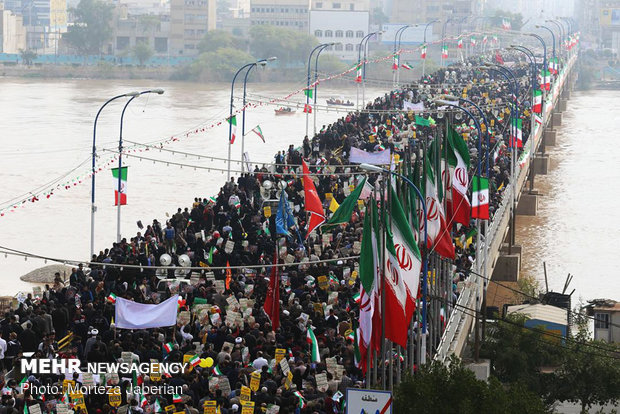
{"x": 101, "y": 71}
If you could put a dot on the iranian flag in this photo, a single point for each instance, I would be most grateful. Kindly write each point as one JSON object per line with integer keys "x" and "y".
{"x": 233, "y": 128}
{"x": 217, "y": 370}
{"x": 537, "y": 107}
{"x": 439, "y": 238}
{"x": 480, "y": 198}
{"x": 423, "y": 52}
{"x": 123, "y": 193}
{"x": 369, "y": 284}
{"x": 195, "y": 360}
{"x": 308, "y": 93}
{"x": 516, "y": 132}
{"x": 176, "y": 398}
{"x": 506, "y": 24}
{"x": 259, "y": 132}
{"x": 545, "y": 80}
{"x": 403, "y": 264}
{"x": 168, "y": 347}
{"x": 396, "y": 61}
{"x": 523, "y": 158}
{"x": 407, "y": 66}
{"x": 553, "y": 65}
{"x": 458, "y": 158}
{"x": 484, "y": 40}
{"x": 460, "y": 44}
{"x": 473, "y": 41}
{"x": 314, "y": 345}
{"x": 444, "y": 51}
{"x": 358, "y": 73}
{"x": 307, "y": 108}
{"x": 111, "y": 298}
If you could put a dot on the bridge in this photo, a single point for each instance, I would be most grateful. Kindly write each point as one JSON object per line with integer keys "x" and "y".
{"x": 497, "y": 259}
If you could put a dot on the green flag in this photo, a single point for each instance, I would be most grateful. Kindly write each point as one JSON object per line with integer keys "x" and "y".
{"x": 422, "y": 121}
{"x": 343, "y": 214}
{"x": 308, "y": 92}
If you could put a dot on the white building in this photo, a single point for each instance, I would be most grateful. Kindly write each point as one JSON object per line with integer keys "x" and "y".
{"x": 12, "y": 32}
{"x": 342, "y": 22}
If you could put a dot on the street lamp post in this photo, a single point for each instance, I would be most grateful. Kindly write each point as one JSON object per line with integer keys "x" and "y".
{"x": 232, "y": 91}
{"x": 120, "y": 160}
{"x": 375, "y": 168}
{"x": 560, "y": 37}
{"x": 532, "y": 59}
{"x": 262, "y": 63}
{"x": 93, "y": 207}
{"x": 424, "y": 44}
{"x": 443, "y": 38}
{"x": 321, "y": 46}
{"x": 364, "y": 63}
{"x": 514, "y": 114}
{"x": 400, "y": 37}
{"x": 396, "y": 57}
{"x": 361, "y": 66}
{"x": 538, "y": 26}
{"x": 544, "y": 45}
{"x": 316, "y": 78}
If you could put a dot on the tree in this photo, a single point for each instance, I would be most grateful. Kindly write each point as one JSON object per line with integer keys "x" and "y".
{"x": 377, "y": 17}
{"x": 91, "y": 28}
{"x": 218, "y": 39}
{"x": 516, "y": 19}
{"x": 143, "y": 52}
{"x": 291, "y": 47}
{"x": 437, "y": 388}
{"x": 219, "y": 65}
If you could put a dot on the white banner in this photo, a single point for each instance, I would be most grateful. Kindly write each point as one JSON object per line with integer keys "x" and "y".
{"x": 132, "y": 315}
{"x": 410, "y": 106}
{"x": 376, "y": 158}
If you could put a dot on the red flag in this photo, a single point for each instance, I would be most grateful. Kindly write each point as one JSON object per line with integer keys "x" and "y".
{"x": 307, "y": 108}
{"x": 312, "y": 201}
{"x": 272, "y": 301}
{"x": 498, "y": 58}
{"x": 228, "y": 275}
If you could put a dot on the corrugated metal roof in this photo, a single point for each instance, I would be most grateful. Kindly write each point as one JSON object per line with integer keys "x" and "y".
{"x": 541, "y": 312}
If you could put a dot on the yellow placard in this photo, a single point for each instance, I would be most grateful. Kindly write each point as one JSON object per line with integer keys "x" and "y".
{"x": 329, "y": 196}
{"x": 65, "y": 385}
{"x": 323, "y": 284}
{"x": 114, "y": 397}
{"x": 246, "y": 393}
{"x": 155, "y": 374}
{"x": 289, "y": 380}
{"x": 353, "y": 278}
{"x": 348, "y": 332}
{"x": 186, "y": 359}
{"x": 318, "y": 308}
{"x": 78, "y": 401}
{"x": 247, "y": 407}
{"x": 280, "y": 352}
{"x": 210, "y": 407}
{"x": 255, "y": 381}
{"x": 267, "y": 211}
{"x": 170, "y": 408}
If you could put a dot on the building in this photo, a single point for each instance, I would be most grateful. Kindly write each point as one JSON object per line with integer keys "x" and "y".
{"x": 149, "y": 29}
{"x": 548, "y": 318}
{"x": 343, "y": 23}
{"x": 424, "y": 11}
{"x": 606, "y": 315}
{"x": 291, "y": 14}
{"x": 189, "y": 22}
{"x": 12, "y": 32}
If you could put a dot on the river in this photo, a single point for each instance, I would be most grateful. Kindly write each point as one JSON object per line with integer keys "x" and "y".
{"x": 576, "y": 229}
{"x": 47, "y": 132}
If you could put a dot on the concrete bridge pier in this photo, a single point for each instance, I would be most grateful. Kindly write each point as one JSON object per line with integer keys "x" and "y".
{"x": 556, "y": 119}
{"x": 528, "y": 204}
{"x": 508, "y": 264}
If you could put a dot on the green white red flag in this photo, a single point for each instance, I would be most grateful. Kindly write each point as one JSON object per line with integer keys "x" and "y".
{"x": 120, "y": 197}
{"x": 480, "y": 198}
{"x": 516, "y": 133}
{"x": 259, "y": 132}
{"x": 537, "y": 104}
{"x": 458, "y": 159}
{"x": 439, "y": 237}
{"x": 314, "y": 345}
{"x": 444, "y": 51}
{"x": 233, "y": 128}
{"x": 423, "y": 52}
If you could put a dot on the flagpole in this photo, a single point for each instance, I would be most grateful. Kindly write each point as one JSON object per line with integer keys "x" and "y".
{"x": 382, "y": 274}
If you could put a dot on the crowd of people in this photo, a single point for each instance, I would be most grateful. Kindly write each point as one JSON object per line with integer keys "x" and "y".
{"x": 237, "y": 229}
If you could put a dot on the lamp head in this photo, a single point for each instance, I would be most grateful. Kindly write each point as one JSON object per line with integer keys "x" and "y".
{"x": 158, "y": 91}
{"x": 272, "y": 58}
{"x": 450, "y": 97}
{"x": 370, "y": 167}
{"x": 442, "y": 102}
